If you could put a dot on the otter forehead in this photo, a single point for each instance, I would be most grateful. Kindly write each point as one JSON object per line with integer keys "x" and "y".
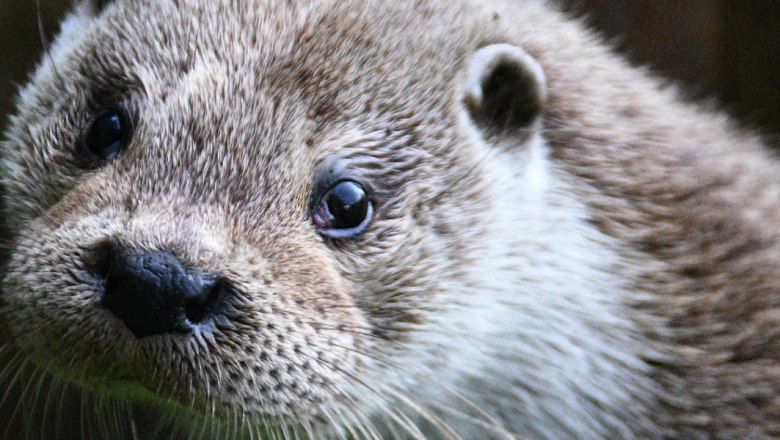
{"x": 226, "y": 93}
{"x": 322, "y": 61}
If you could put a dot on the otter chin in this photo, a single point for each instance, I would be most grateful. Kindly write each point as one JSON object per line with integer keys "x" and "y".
{"x": 379, "y": 219}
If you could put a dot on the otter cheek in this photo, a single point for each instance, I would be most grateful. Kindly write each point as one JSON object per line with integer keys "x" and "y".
{"x": 299, "y": 345}
{"x": 51, "y": 303}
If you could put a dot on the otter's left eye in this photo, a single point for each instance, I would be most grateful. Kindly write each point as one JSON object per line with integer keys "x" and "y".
{"x": 106, "y": 136}
{"x": 343, "y": 211}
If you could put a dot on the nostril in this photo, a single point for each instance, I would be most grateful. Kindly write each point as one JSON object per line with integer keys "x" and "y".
{"x": 97, "y": 260}
{"x": 201, "y": 309}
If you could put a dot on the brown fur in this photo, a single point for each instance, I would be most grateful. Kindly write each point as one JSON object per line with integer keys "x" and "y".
{"x": 237, "y": 107}
{"x": 696, "y": 198}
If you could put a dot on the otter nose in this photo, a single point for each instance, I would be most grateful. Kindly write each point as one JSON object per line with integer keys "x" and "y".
{"x": 153, "y": 293}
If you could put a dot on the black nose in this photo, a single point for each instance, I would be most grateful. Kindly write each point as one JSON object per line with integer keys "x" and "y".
{"x": 153, "y": 293}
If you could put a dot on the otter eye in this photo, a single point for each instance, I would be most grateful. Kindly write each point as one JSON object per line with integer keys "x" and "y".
{"x": 344, "y": 210}
{"x": 106, "y": 136}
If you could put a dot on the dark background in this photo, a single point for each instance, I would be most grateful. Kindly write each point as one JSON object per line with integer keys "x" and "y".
{"x": 727, "y": 50}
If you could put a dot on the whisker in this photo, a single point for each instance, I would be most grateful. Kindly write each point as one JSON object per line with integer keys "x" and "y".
{"x": 349, "y": 426}
{"x": 47, "y": 405}
{"x": 329, "y": 417}
{"x": 308, "y": 428}
{"x": 404, "y": 422}
{"x": 267, "y": 425}
{"x": 494, "y": 424}
{"x": 13, "y": 382}
{"x": 427, "y": 415}
{"x": 133, "y": 428}
{"x": 61, "y": 406}
{"x": 383, "y": 399}
{"x": 115, "y": 420}
{"x": 31, "y": 408}
{"x": 296, "y": 433}
{"x": 464, "y": 416}
{"x": 83, "y": 418}
{"x": 285, "y": 432}
{"x": 22, "y": 398}
{"x": 488, "y": 422}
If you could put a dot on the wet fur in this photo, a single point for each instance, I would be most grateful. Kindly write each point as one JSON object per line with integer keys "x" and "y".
{"x": 607, "y": 271}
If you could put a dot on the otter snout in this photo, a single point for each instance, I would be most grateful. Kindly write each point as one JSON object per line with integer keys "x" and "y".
{"x": 153, "y": 293}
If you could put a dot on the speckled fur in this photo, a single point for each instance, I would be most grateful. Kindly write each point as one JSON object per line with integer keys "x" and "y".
{"x": 608, "y": 272}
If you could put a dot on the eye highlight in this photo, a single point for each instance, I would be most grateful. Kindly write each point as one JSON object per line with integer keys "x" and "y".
{"x": 106, "y": 136}
{"x": 344, "y": 210}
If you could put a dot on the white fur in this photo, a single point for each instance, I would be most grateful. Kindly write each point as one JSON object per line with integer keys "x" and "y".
{"x": 540, "y": 320}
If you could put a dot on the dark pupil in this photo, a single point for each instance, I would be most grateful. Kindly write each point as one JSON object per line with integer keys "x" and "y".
{"x": 348, "y": 204}
{"x": 106, "y": 136}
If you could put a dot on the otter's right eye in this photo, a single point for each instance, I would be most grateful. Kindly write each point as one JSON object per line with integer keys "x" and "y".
{"x": 343, "y": 211}
{"x": 106, "y": 136}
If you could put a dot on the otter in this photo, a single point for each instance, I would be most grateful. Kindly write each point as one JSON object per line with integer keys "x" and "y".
{"x": 381, "y": 219}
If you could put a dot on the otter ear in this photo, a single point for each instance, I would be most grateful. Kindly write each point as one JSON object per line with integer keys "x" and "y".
{"x": 503, "y": 89}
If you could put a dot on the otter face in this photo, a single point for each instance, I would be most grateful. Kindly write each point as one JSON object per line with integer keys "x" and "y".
{"x": 261, "y": 210}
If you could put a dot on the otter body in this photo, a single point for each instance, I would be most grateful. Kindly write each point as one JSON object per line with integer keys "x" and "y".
{"x": 428, "y": 219}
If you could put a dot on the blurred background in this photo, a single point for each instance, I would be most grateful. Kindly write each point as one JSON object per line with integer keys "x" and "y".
{"x": 728, "y": 50}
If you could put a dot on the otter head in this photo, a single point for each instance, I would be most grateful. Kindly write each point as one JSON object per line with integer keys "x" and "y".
{"x": 267, "y": 211}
